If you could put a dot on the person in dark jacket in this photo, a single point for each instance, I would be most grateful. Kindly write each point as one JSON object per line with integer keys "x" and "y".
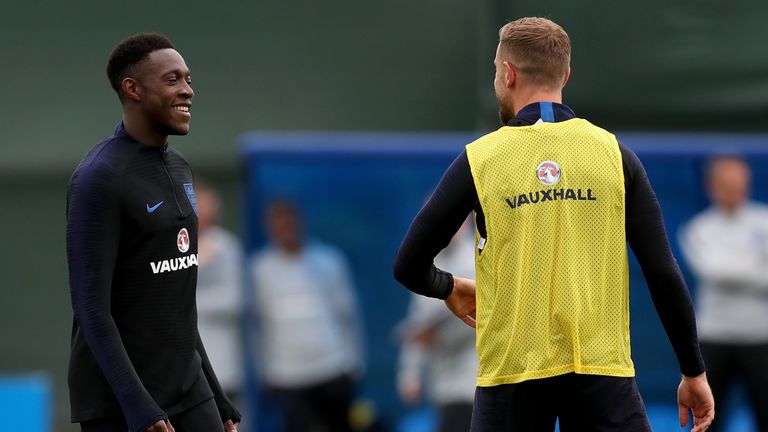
{"x": 137, "y": 362}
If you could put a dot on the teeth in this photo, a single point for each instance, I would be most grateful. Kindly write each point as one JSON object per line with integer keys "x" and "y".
{"x": 181, "y": 108}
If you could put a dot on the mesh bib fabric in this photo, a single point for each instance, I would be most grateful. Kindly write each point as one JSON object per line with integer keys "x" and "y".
{"x": 552, "y": 276}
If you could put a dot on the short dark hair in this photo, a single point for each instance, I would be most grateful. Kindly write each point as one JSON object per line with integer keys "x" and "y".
{"x": 130, "y": 52}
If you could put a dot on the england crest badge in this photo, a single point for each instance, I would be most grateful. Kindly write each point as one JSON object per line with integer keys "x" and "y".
{"x": 191, "y": 195}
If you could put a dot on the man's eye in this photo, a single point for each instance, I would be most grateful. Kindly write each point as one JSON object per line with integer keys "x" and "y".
{"x": 172, "y": 80}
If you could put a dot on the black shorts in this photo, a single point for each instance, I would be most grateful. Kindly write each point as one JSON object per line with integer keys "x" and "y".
{"x": 580, "y": 402}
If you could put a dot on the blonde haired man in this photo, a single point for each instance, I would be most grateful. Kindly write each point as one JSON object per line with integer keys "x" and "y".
{"x": 556, "y": 199}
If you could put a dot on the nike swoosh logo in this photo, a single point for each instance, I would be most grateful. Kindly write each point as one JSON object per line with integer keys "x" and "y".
{"x": 154, "y": 207}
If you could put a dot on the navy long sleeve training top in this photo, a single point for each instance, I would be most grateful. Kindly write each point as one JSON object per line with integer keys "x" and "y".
{"x": 132, "y": 255}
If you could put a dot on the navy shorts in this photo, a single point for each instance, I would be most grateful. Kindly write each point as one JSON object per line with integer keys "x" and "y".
{"x": 592, "y": 403}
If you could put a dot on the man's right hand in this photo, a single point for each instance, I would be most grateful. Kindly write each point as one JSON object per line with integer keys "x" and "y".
{"x": 694, "y": 395}
{"x": 161, "y": 426}
{"x": 461, "y": 301}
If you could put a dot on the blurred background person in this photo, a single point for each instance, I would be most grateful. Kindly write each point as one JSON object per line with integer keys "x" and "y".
{"x": 436, "y": 343}
{"x": 310, "y": 353}
{"x": 726, "y": 247}
{"x": 218, "y": 291}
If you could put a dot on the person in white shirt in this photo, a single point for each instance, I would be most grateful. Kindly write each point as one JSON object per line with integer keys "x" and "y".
{"x": 436, "y": 343}
{"x": 726, "y": 247}
{"x": 310, "y": 351}
{"x": 219, "y": 291}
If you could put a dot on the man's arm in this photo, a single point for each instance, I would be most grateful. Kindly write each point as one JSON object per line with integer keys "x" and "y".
{"x": 648, "y": 238}
{"x": 93, "y": 237}
{"x": 432, "y": 230}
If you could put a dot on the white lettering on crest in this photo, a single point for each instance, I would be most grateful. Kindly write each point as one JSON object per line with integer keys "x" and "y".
{"x": 173, "y": 264}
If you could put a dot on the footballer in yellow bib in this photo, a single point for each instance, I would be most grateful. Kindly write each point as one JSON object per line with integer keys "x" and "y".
{"x": 556, "y": 200}
{"x": 552, "y": 276}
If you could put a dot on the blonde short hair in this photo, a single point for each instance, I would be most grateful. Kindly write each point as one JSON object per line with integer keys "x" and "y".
{"x": 539, "y": 48}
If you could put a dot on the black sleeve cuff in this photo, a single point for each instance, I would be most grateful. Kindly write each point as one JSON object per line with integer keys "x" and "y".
{"x": 227, "y": 410}
{"x": 693, "y": 364}
{"x": 444, "y": 287}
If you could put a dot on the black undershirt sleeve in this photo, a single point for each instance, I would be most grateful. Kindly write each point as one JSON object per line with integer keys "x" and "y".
{"x": 432, "y": 230}
{"x": 648, "y": 239}
{"x": 93, "y": 235}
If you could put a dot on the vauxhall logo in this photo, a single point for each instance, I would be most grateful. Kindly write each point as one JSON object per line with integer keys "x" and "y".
{"x": 550, "y": 195}
{"x": 548, "y": 173}
{"x": 179, "y": 263}
{"x": 174, "y": 264}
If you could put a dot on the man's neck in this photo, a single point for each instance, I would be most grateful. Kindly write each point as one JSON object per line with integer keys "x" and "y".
{"x": 535, "y": 96}
{"x": 139, "y": 129}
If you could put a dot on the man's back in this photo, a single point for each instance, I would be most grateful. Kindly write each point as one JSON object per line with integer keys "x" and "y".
{"x": 555, "y": 262}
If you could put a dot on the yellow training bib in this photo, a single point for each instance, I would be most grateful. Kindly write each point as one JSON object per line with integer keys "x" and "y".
{"x": 552, "y": 276}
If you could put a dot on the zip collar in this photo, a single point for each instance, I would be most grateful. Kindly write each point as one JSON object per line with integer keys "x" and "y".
{"x": 547, "y": 112}
{"x": 122, "y": 133}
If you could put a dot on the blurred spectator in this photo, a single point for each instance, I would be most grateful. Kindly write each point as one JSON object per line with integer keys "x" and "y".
{"x": 310, "y": 336}
{"x": 442, "y": 346}
{"x": 727, "y": 249}
{"x": 218, "y": 291}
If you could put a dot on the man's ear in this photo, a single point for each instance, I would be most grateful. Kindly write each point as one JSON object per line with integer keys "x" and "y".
{"x": 567, "y": 75}
{"x": 131, "y": 89}
{"x": 510, "y": 73}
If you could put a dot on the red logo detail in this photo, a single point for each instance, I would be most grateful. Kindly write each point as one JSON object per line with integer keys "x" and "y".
{"x": 548, "y": 172}
{"x": 182, "y": 240}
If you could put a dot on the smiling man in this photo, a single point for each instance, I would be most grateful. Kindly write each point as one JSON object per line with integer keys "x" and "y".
{"x": 137, "y": 362}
